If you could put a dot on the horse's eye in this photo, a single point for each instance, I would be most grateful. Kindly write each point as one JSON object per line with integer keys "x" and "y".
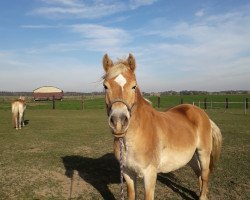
{"x": 105, "y": 87}
{"x": 134, "y": 87}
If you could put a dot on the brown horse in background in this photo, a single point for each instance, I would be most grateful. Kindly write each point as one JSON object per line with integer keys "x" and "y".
{"x": 156, "y": 141}
{"x": 18, "y": 107}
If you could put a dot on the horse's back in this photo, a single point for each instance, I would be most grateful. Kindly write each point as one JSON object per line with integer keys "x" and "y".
{"x": 193, "y": 114}
{"x": 180, "y": 126}
{"x": 18, "y": 106}
{"x": 198, "y": 119}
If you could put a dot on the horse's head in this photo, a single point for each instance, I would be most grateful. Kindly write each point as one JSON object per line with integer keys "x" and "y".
{"x": 120, "y": 92}
{"x": 22, "y": 98}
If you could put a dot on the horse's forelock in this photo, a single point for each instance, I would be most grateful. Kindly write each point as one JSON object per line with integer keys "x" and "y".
{"x": 117, "y": 69}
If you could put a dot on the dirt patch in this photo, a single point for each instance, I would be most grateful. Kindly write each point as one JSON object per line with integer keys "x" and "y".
{"x": 59, "y": 184}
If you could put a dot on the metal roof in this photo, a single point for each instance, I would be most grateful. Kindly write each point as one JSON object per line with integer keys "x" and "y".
{"x": 47, "y": 89}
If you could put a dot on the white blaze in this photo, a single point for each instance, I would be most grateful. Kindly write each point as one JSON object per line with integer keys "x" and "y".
{"x": 121, "y": 80}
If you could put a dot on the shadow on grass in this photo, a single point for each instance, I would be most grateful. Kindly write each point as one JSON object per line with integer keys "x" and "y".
{"x": 100, "y": 172}
{"x": 171, "y": 181}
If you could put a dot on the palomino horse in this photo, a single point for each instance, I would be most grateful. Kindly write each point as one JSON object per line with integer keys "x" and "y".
{"x": 156, "y": 141}
{"x": 18, "y": 107}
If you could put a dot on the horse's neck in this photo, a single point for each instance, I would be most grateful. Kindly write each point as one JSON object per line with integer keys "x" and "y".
{"x": 143, "y": 104}
{"x": 141, "y": 112}
{"x": 139, "y": 126}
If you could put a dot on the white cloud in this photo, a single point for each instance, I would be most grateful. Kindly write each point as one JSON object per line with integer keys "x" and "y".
{"x": 60, "y": 9}
{"x": 89, "y": 10}
{"x": 101, "y": 38}
{"x": 38, "y": 26}
{"x": 138, "y": 3}
{"x": 63, "y": 2}
{"x": 199, "y": 13}
{"x": 93, "y": 38}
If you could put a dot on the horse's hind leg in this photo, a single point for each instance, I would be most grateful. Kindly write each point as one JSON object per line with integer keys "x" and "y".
{"x": 194, "y": 163}
{"x": 16, "y": 121}
{"x": 204, "y": 158}
{"x": 23, "y": 124}
{"x": 20, "y": 120}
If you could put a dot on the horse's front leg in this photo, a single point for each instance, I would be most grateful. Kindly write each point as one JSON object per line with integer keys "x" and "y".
{"x": 131, "y": 185}
{"x": 149, "y": 183}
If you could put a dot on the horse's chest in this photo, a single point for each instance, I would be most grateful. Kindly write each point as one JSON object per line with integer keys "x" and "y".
{"x": 133, "y": 162}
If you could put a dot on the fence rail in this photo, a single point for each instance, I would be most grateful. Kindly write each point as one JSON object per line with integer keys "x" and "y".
{"x": 93, "y": 102}
{"x": 226, "y": 104}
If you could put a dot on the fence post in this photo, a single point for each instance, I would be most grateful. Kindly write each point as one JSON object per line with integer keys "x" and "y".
{"x": 205, "y": 103}
{"x": 54, "y": 106}
{"x": 82, "y": 102}
{"x": 226, "y": 106}
{"x": 158, "y": 101}
{"x": 246, "y": 105}
{"x": 181, "y": 100}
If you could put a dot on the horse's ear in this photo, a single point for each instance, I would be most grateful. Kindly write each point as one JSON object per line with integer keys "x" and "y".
{"x": 131, "y": 62}
{"x": 107, "y": 62}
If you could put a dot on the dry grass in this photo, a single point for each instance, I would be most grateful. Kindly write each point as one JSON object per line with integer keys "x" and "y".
{"x": 68, "y": 155}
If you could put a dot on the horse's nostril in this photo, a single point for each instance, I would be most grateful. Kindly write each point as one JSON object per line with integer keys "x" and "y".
{"x": 113, "y": 120}
{"x": 124, "y": 120}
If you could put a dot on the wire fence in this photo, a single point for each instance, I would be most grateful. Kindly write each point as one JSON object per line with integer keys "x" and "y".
{"x": 232, "y": 103}
{"x": 162, "y": 102}
{"x": 225, "y": 105}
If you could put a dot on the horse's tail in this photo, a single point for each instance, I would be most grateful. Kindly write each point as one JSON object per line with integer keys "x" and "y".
{"x": 216, "y": 148}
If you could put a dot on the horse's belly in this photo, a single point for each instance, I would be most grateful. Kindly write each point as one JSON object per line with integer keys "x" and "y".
{"x": 171, "y": 160}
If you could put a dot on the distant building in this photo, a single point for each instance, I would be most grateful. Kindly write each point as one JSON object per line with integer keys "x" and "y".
{"x": 47, "y": 93}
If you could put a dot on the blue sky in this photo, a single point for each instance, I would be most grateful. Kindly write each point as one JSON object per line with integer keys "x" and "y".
{"x": 178, "y": 45}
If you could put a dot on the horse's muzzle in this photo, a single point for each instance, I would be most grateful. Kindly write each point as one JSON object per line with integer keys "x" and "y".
{"x": 119, "y": 123}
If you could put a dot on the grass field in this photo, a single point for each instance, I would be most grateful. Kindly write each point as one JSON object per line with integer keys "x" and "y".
{"x": 67, "y": 154}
